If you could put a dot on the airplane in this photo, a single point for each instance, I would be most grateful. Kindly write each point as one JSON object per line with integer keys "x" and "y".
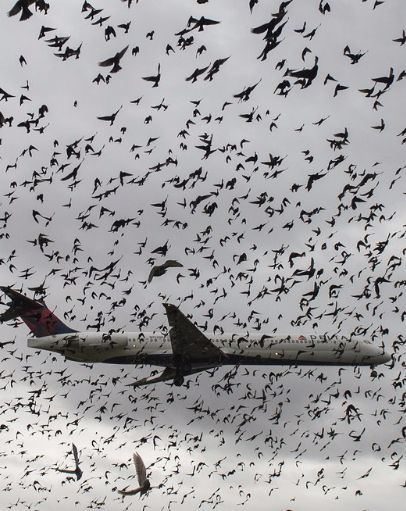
{"x": 183, "y": 349}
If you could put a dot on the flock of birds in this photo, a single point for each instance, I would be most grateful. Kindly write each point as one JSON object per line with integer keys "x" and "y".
{"x": 198, "y": 185}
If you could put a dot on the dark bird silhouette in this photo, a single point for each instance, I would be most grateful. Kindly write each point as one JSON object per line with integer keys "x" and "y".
{"x": 111, "y": 118}
{"x": 401, "y": 40}
{"x": 323, "y": 8}
{"x": 307, "y": 74}
{"x": 109, "y": 32}
{"x": 77, "y": 471}
{"x": 197, "y": 23}
{"x": 380, "y": 127}
{"x": 200, "y": 50}
{"x": 252, "y": 4}
{"x": 385, "y": 80}
{"x": 311, "y": 34}
{"x": 339, "y": 88}
{"x": 244, "y": 95}
{"x": 101, "y": 20}
{"x": 44, "y": 30}
{"x": 215, "y": 68}
{"x": 23, "y": 6}
{"x": 114, "y": 61}
{"x": 155, "y": 78}
{"x": 125, "y": 26}
{"x": 300, "y": 30}
{"x": 196, "y": 73}
{"x": 354, "y": 57}
{"x": 57, "y": 42}
{"x": 158, "y": 271}
{"x": 162, "y": 250}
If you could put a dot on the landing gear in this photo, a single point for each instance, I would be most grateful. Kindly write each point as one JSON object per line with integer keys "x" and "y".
{"x": 182, "y": 367}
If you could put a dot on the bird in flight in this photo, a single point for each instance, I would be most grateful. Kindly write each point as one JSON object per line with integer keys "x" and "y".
{"x": 111, "y": 118}
{"x": 159, "y": 270}
{"x": 114, "y": 61}
{"x": 144, "y": 484}
{"x": 77, "y": 471}
{"x": 23, "y": 6}
{"x": 154, "y": 78}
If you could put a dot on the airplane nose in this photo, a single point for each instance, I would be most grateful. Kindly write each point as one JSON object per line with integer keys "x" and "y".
{"x": 382, "y": 357}
{"x": 385, "y": 358}
{"x": 377, "y": 355}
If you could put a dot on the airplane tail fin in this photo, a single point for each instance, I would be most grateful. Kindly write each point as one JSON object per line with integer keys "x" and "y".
{"x": 35, "y": 314}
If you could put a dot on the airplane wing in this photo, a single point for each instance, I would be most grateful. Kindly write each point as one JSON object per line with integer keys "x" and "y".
{"x": 189, "y": 345}
{"x": 169, "y": 373}
{"x": 192, "y": 350}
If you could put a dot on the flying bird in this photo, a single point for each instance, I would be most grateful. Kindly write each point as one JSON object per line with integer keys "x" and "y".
{"x": 155, "y": 78}
{"x": 44, "y": 30}
{"x": 215, "y": 68}
{"x": 197, "y": 23}
{"x": 144, "y": 484}
{"x": 77, "y": 471}
{"x": 114, "y": 61}
{"x": 110, "y": 118}
{"x": 159, "y": 270}
{"x": 196, "y": 73}
{"x": 401, "y": 40}
{"x": 23, "y": 6}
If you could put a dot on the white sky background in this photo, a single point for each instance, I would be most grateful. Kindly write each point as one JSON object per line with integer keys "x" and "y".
{"x": 313, "y": 403}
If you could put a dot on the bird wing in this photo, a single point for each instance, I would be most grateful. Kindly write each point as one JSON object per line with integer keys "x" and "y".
{"x": 192, "y": 20}
{"x": 260, "y": 29}
{"x": 124, "y": 491}
{"x": 108, "y": 62}
{"x": 140, "y": 469}
{"x": 207, "y": 21}
{"x": 220, "y": 62}
{"x": 122, "y": 52}
{"x": 75, "y": 454}
{"x": 171, "y": 263}
{"x": 188, "y": 342}
{"x": 15, "y": 9}
{"x": 152, "y": 274}
{"x": 69, "y": 176}
{"x": 197, "y": 72}
{"x": 65, "y": 470}
{"x": 105, "y": 118}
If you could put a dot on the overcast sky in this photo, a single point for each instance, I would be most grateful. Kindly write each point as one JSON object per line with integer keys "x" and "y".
{"x": 275, "y": 437}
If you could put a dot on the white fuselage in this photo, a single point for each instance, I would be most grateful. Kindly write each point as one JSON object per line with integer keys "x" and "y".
{"x": 252, "y": 349}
